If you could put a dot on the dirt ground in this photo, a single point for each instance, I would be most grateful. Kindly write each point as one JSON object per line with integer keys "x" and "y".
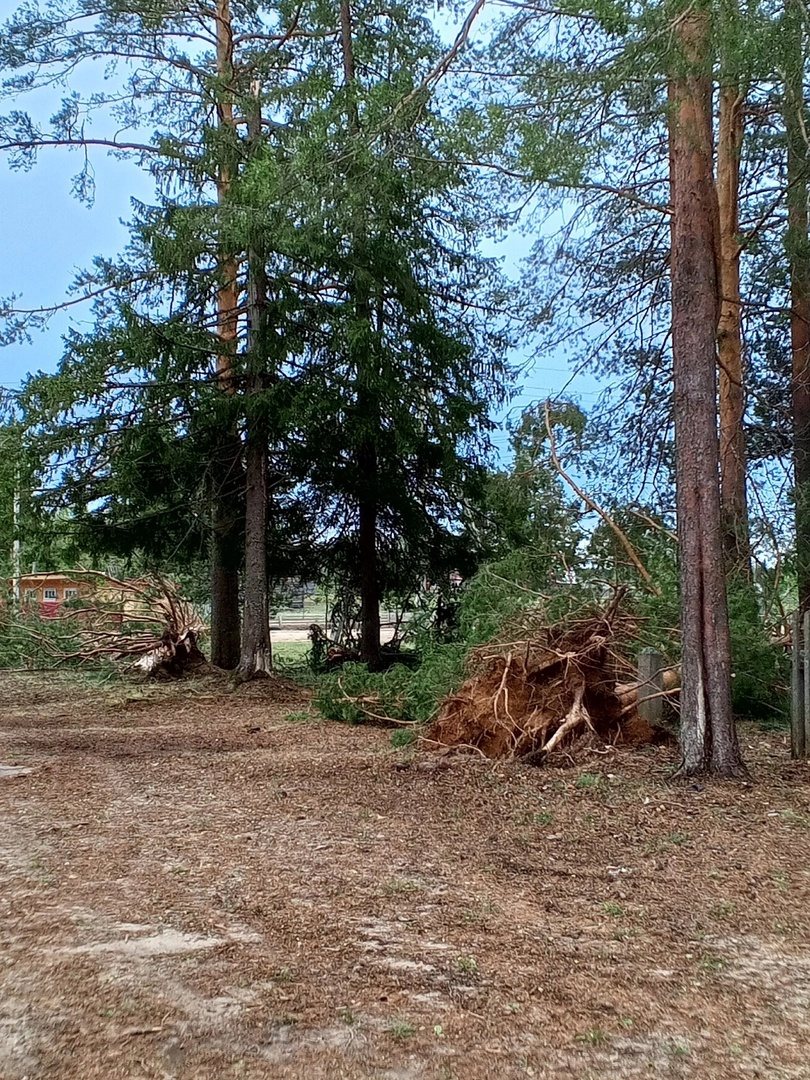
{"x": 196, "y": 883}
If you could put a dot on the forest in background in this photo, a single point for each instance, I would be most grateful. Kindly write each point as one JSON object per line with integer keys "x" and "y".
{"x": 295, "y": 363}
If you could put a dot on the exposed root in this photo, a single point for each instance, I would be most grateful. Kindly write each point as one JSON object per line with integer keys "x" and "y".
{"x": 559, "y": 685}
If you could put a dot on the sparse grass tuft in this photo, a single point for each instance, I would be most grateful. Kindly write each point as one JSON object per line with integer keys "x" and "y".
{"x": 401, "y": 1029}
{"x": 397, "y": 886}
{"x": 712, "y": 962}
{"x": 588, "y": 781}
{"x": 467, "y": 964}
{"x": 723, "y": 909}
{"x": 801, "y": 821}
{"x": 593, "y": 1037}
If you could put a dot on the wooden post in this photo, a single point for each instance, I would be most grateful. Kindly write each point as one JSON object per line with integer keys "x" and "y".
{"x": 797, "y": 741}
{"x": 650, "y": 686}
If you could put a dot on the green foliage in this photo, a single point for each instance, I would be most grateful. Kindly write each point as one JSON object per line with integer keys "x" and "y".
{"x": 27, "y": 641}
{"x": 760, "y": 670}
{"x": 523, "y": 520}
{"x": 589, "y": 781}
{"x": 355, "y": 695}
{"x": 440, "y": 673}
{"x": 387, "y": 346}
{"x": 500, "y": 590}
{"x": 402, "y": 737}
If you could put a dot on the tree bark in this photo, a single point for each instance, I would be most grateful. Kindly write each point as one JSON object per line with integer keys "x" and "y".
{"x": 798, "y": 252}
{"x": 708, "y": 735}
{"x": 369, "y": 563}
{"x": 226, "y": 552}
{"x": 733, "y": 495}
{"x": 257, "y": 654}
{"x": 226, "y": 470}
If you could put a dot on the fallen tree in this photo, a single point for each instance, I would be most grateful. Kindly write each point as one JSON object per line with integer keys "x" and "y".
{"x": 147, "y": 624}
{"x": 548, "y": 687}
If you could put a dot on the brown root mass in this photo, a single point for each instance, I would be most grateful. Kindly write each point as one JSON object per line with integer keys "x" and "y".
{"x": 528, "y": 698}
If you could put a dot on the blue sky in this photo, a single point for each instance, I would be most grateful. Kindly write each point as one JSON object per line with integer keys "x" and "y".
{"x": 49, "y": 236}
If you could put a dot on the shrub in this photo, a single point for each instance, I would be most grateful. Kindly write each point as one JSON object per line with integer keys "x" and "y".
{"x": 355, "y": 695}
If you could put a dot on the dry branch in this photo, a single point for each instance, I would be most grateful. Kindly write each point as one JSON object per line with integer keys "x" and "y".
{"x": 147, "y": 623}
{"x": 621, "y": 536}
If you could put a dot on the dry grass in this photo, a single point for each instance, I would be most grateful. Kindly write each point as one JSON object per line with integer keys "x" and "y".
{"x": 197, "y": 884}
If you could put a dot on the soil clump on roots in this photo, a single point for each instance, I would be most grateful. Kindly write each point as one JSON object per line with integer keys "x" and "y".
{"x": 549, "y": 688}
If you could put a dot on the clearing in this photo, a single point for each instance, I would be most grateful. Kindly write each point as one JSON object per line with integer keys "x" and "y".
{"x": 196, "y": 883}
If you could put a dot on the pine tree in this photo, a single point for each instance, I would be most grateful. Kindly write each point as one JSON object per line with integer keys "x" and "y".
{"x": 620, "y": 119}
{"x": 286, "y": 282}
{"x": 708, "y": 736}
{"x": 407, "y": 370}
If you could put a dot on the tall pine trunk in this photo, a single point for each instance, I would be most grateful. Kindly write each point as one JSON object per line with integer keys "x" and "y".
{"x": 733, "y": 495}
{"x": 798, "y": 252}
{"x": 226, "y": 552}
{"x": 257, "y": 655}
{"x": 226, "y": 466}
{"x": 367, "y": 464}
{"x": 708, "y": 736}
{"x": 369, "y": 565}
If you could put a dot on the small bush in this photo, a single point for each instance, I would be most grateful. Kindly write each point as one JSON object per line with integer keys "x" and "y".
{"x": 761, "y": 674}
{"x": 761, "y": 670}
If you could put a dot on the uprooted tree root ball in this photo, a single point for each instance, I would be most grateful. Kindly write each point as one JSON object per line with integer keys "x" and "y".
{"x": 548, "y": 689}
{"x": 144, "y": 623}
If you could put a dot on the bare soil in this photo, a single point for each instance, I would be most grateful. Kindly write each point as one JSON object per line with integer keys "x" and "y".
{"x": 197, "y": 883}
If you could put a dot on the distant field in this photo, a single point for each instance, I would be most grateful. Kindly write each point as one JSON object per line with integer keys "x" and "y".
{"x": 289, "y": 650}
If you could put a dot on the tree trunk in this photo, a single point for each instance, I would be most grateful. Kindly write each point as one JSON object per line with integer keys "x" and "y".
{"x": 257, "y": 656}
{"x": 226, "y": 555}
{"x": 369, "y": 565}
{"x": 798, "y": 251}
{"x": 708, "y": 735}
{"x": 733, "y": 495}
